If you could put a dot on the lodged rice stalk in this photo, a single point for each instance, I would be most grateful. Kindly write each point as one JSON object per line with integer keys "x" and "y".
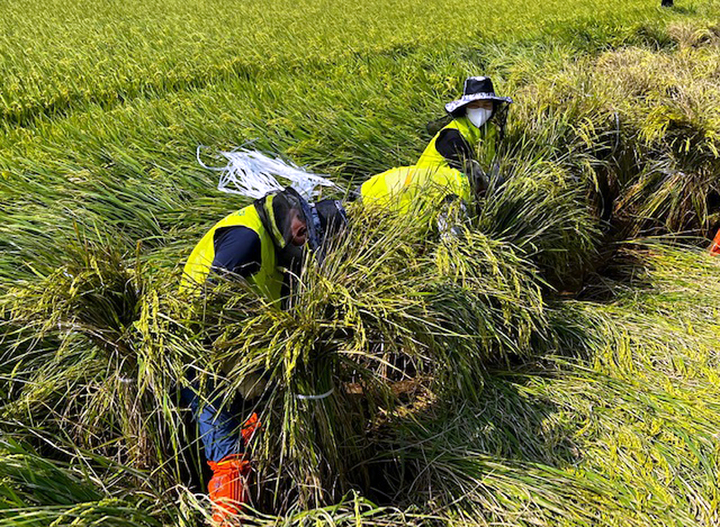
{"x": 614, "y": 425}
{"x": 641, "y": 128}
{"x": 36, "y": 492}
{"x": 96, "y": 351}
{"x": 386, "y": 318}
{"x": 76, "y": 365}
{"x": 457, "y": 393}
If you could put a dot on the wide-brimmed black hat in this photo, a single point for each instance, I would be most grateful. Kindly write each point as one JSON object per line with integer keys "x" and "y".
{"x": 475, "y": 89}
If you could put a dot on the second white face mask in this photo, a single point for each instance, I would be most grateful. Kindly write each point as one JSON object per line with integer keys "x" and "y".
{"x": 478, "y": 116}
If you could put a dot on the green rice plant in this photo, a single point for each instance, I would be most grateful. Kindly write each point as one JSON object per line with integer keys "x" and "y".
{"x": 133, "y": 165}
{"x": 384, "y": 311}
{"x": 73, "y": 362}
{"x": 617, "y": 427}
{"x": 646, "y": 123}
{"x": 542, "y": 210}
{"x": 489, "y": 400}
{"x": 36, "y": 492}
{"x": 61, "y": 57}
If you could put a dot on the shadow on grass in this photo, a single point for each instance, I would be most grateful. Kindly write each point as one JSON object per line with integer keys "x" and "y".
{"x": 444, "y": 448}
{"x": 616, "y": 271}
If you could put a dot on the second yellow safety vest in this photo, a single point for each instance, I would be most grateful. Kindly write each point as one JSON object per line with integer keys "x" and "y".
{"x": 268, "y": 280}
{"x": 484, "y": 137}
{"x": 401, "y": 188}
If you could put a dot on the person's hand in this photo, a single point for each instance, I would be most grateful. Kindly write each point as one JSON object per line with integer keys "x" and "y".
{"x": 451, "y": 219}
{"x": 477, "y": 176}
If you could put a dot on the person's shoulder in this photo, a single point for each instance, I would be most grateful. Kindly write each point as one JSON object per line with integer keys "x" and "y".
{"x": 236, "y": 235}
{"x": 237, "y": 249}
{"x": 449, "y": 133}
{"x": 450, "y": 140}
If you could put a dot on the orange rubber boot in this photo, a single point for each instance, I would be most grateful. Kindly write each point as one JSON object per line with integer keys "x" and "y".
{"x": 228, "y": 487}
{"x": 715, "y": 247}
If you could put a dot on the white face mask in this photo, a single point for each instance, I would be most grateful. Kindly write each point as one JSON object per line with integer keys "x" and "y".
{"x": 478, "y": 116}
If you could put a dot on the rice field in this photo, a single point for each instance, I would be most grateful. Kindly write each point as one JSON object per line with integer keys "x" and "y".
{"x": 558, "y": 365}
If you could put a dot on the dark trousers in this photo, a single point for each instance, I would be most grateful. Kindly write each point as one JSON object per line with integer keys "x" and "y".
{"x": 219, "y": 427}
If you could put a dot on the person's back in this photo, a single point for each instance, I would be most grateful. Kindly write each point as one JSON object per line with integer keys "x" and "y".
{"x": 240, "y": 244}
{"x": 402, "y": 188}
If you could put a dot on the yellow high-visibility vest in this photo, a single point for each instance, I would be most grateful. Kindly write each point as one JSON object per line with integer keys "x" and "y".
{"x": 484, "y": 137}
{"x": 268, "y": 280}
{"x": 401, "y": 188}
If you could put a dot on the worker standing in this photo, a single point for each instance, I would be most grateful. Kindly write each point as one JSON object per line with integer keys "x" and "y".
{"x": 257, "y": 244}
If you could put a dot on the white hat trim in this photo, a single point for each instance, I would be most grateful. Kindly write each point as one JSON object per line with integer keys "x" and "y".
{"x": 467, "y": 99}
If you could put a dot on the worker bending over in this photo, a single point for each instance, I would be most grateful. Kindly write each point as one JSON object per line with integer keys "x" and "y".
{"x": 259, "y": 244}
{"x": 447, "y": 179}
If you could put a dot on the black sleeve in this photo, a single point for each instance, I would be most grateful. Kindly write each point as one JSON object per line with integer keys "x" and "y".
{"x": 453, "y": 147}
{"x": 238, "y": 250}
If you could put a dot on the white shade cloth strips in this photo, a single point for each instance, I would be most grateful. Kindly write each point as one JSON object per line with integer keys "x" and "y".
{"x": 253, "y": 174}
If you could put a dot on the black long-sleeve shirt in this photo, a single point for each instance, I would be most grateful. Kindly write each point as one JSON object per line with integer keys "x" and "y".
{"x": 237, "y": 250}
{"x": 454, "y": 148}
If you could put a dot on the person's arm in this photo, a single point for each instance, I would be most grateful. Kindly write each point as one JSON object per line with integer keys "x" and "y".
{"x": 237, "y": 250}
{"x": 459, "y": 155}
{"x": 454, "y": 148}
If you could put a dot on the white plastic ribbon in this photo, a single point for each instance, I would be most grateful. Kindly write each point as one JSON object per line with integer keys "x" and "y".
{"x": 316, "y": 397}
{"x": 253, "y": 174}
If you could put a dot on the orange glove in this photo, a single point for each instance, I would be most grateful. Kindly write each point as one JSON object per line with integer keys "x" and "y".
{"x": 715, "y": 247}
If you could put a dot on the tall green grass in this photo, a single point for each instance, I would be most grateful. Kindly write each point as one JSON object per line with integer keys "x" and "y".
{"x": 61, "y": 56}
{"x": 467, "y": 391}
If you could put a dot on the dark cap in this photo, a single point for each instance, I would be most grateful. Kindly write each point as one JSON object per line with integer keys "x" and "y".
{"x": 332, "y": 216}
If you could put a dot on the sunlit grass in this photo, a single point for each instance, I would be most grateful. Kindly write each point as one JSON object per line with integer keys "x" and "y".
{"x": 540, "y": 370}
